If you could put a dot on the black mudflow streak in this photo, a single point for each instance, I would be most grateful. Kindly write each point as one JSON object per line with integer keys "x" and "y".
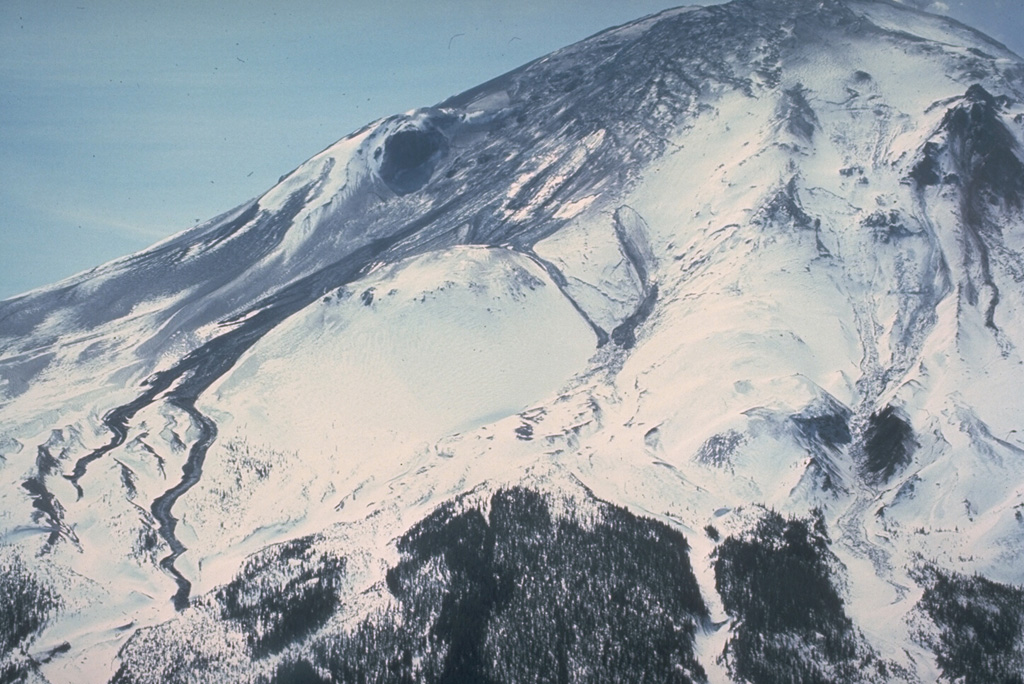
{"x": 624, "y": 334}
{"x": 46, "y": 504}
{"x": 115, "y": 420}
{"x": 44, "y": 501}
{"x": 162, "y": 505}
{"x": 558, "y": 278}
{"x": 200, "y": 368}
{"x": 631, "y": 250}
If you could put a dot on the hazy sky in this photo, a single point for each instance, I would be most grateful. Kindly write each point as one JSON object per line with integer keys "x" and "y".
{"x": 123, "y": 122}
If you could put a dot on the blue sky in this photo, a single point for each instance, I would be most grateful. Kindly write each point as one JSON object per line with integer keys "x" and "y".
{"x": 123, "y": 122}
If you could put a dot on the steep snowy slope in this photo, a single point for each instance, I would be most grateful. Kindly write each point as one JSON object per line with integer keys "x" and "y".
{"x": 723, "y": 306}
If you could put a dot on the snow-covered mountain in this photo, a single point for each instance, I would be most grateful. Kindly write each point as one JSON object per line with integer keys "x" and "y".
{"x": 690, "y": 352}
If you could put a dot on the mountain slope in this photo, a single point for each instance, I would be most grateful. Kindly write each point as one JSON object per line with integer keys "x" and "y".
{"x": 725, "y": 283}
